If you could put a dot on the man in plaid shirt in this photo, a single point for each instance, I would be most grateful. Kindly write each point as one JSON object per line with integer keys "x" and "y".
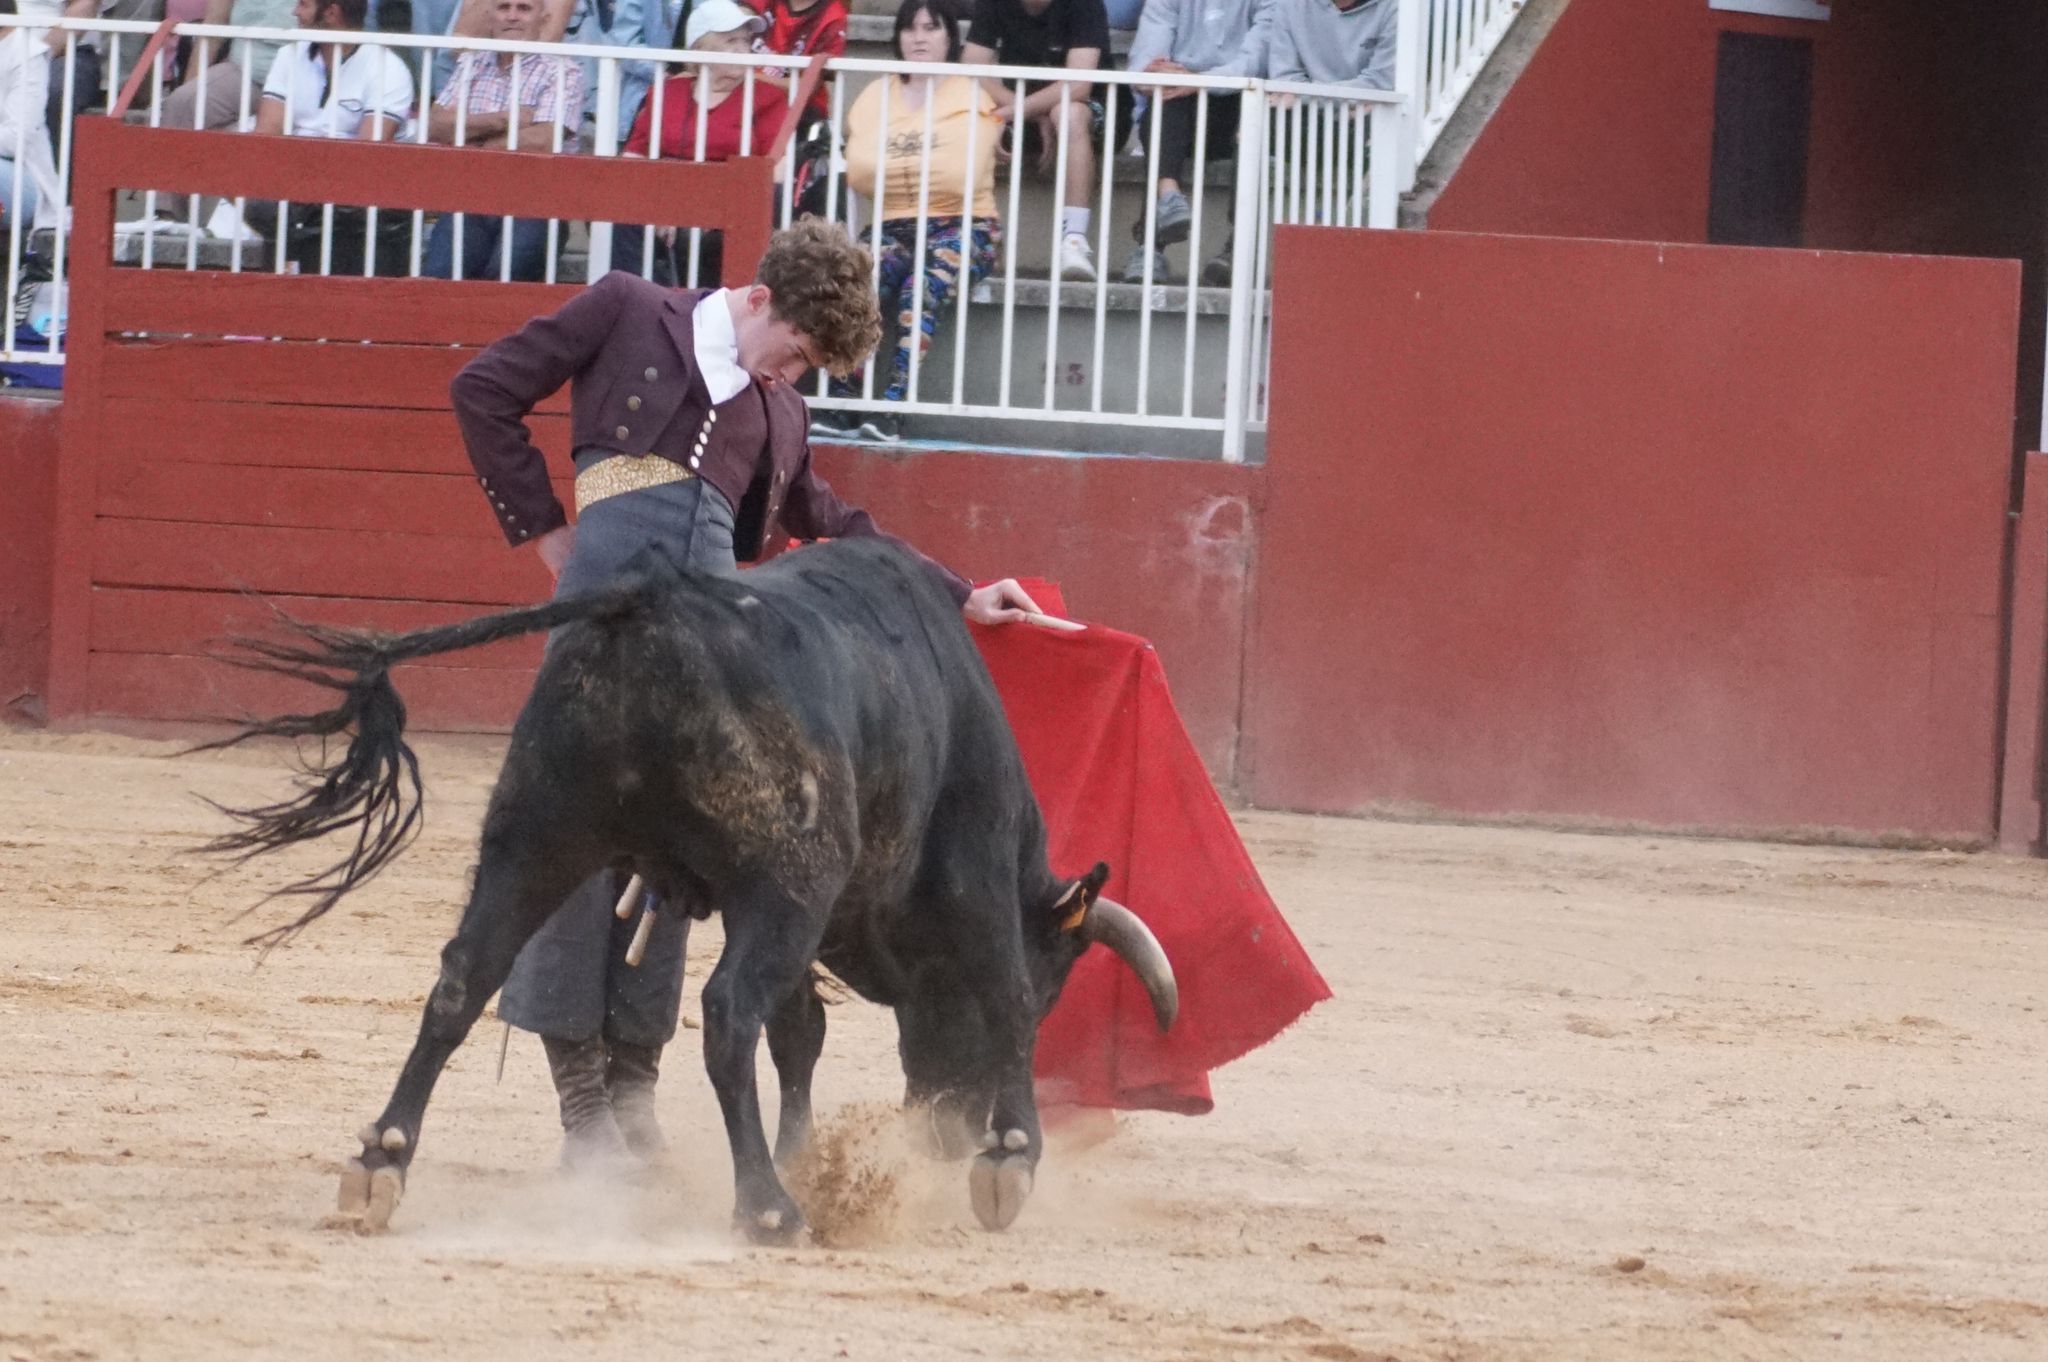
{"x": 476, "y": 110}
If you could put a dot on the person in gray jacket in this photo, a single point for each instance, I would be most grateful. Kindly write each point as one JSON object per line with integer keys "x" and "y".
{"x": 1192, "y": 37}
{"x": 1333, "y": 42}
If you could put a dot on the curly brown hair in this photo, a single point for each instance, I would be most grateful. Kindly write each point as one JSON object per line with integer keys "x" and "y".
{"x": 823, "y": 284}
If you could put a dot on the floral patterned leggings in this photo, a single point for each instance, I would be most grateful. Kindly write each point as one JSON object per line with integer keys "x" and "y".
{"x": 898, "y": 251}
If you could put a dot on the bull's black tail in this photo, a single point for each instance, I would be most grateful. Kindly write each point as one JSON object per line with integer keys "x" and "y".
{"x": 374, "y": 786}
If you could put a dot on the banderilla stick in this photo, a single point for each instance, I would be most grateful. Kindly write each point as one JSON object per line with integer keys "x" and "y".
{"x": 636, "y": 893}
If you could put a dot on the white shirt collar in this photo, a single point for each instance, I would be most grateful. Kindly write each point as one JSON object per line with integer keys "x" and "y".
{"x": 718, "y": 348}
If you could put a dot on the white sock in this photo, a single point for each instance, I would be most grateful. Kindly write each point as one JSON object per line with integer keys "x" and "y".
{"x": 1074, "y": 221}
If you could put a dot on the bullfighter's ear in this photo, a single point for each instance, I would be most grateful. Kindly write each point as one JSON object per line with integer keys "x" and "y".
{"x": 1071, "y": 908}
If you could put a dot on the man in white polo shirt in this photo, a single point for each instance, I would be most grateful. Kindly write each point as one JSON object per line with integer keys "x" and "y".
{"x": 369, "y": 95}
{"x": 337, "y": 89}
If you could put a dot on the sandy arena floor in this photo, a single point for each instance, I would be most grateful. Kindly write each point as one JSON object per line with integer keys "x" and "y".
{"x": 1578, "y": 1098}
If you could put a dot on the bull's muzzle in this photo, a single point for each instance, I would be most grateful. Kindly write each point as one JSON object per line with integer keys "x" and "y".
{"x": 1118, "y": 928}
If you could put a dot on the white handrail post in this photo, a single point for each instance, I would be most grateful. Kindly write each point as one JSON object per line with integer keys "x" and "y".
{"x": 1237, "y": 374}
{"x": 606, "y": 143}
{"x": 1410, "y": 35}
{"x": 1383, "y": 168}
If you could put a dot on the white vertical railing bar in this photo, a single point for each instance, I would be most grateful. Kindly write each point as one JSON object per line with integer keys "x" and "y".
{"x": 888, "y": 84}
{"x": 511, "y": 144}
{"x": 915, "y": 336}
{"x": 791, "y": 117}
{"x": 419, "y": 137}
{"x": 1187, "y": 366}
{"x": 1054, "y": 276}
{"x": 327, "y": 209}
{"x": 246, "y": 97}
{"x": 17, "y": 169}
{"x": 465, "y": 71}
{"x": 697, "y": 156}
{"x": 370, "y": 210}
{"x": 746, "y": 149}
{"x": 1332, "y": 162}
{"x": 1383, "y": 192}
{"x": 1102, "y": 251}
{"x": 965, "y": 285}
{"x": 1016, "y": 229}
{"x": 1149, "y": 206}
{"x": 1361, "y": 153}
{"x": 1237, "y": 355}
{"x": 63, "y": 178}
{"x": 648, "y": 233}
{"x": 1272, "y": 176}
{"x": 555, "y": 140}
{"x": 156, "y": 110}
{"x": 838, "y": 105}
{"x": 606, "y": 134}
{"x": 204, "y": 51}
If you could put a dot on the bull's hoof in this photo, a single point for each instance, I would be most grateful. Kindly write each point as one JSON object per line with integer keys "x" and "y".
{"x": 999, "y": 1184}
{"x": 772, "y": 1226}
{"x": 373, "y": 1182}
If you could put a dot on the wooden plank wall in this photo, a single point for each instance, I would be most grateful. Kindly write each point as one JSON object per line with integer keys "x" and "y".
{"x": 205, "y": 479}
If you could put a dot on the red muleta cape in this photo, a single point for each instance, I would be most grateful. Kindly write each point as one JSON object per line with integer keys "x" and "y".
{"x": 1119, "y": 781}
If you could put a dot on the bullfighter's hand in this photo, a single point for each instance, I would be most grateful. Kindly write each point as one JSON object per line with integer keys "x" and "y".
{"x": 1001, "y": 602}
{"x": 553, "y": 548}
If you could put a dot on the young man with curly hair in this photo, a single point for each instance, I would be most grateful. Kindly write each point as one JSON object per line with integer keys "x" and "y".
{"x": 687, "y": 431}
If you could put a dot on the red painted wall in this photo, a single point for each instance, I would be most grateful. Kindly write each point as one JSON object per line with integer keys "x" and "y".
{"x": 1926, "y": 134}
{"x": 1689, "y": 536}
{"x": 28, "y": 470}
{"x": 1157, "y": 547}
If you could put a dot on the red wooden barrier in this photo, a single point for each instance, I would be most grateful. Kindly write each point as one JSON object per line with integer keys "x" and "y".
{"x": 320, "y": 465}
{"x": 1682, "y": 535}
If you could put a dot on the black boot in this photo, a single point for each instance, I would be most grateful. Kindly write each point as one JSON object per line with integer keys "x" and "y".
{"x": 629, "y": 1078}
{"x": 591, "y": 1140}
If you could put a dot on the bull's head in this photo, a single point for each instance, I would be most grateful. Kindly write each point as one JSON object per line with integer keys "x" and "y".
{"x": 1081, "y": 917}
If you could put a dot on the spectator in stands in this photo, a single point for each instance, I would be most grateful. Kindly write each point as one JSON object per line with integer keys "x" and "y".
{"x": 1073, "y": 34}
{"x": 224, "y": 76}
{"x": 805, "y": 28}
{"x": 24, "y": 137}
{"x": 959, "y": 206}
{"x": 1333, "y": 42}
{"x": 476, "y": 110}
{"x": 729, "y": 127}
{"x": 333, "y": 88}
{"x": 87, "y": 71}
{"x": 600, "y": 23}
{"x": 1193, "y": 37}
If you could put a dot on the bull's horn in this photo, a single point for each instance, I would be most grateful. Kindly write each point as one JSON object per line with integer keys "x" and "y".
{"x": 1118, "y": 928}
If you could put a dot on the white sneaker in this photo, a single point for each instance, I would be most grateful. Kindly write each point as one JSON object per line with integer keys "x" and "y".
{"x": 1076, "y": 260}
{"x": 227, "y": 225}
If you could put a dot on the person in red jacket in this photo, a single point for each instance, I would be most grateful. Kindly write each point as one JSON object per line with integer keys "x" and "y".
{"x": 705, "y": 116}
{"x": 805, "y": 28}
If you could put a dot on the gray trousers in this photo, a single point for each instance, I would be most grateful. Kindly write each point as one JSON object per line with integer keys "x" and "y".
{"x": 572, "y": 982}
{"x": 223, "y": 108}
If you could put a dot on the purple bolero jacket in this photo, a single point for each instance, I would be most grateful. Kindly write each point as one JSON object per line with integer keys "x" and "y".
{"x": 625, "y": 347}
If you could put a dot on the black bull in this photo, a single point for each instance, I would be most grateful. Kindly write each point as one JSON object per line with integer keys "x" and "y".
{"x": 812, "y": 749}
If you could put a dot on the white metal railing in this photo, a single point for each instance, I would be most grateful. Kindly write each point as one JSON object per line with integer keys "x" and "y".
{"x": 1458, "y": 38}
{"x": 1137, "y": 354}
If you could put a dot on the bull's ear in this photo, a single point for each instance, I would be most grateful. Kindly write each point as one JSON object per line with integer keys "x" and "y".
{"x": 1071, "y": 908}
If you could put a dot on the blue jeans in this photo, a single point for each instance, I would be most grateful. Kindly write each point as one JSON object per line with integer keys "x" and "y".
{"x": 9, "y": 209}
{"x": 480, "y": 241}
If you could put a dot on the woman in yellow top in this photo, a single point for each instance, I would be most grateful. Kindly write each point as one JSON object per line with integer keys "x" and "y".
{"x": 964, "y": 128}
